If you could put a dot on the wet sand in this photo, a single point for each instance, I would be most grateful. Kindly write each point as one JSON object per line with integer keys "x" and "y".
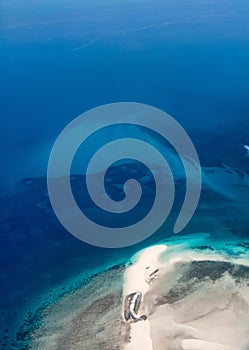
{"x": 205, "y": 306}
{"x": 194, "y": 301}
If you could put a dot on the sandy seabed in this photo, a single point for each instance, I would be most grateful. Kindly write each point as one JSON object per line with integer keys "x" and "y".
{"x": 193, "y": 299}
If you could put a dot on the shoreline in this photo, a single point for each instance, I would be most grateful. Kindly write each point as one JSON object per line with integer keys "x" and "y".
{"x": 137, "y": 279}
{"x": 159, "y": 263}
{"x": 97, "y": 308}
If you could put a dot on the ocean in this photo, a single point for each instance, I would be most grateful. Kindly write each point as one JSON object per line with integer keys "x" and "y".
{"x": 60, "y": 59}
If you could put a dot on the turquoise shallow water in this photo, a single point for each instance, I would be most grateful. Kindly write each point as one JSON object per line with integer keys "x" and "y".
{"x": 48, "y": 263}
{"x": 90, "y": 315}
{"x": 60, "y": 59}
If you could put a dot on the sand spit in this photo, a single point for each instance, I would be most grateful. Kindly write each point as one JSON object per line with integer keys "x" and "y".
{"x": 138, "y": 278}
{"x": 192, "y": 300}
{"x": 172, "y": 297}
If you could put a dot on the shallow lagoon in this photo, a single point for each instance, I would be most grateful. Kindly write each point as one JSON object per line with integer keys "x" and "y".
{"x": 58, "y": 61}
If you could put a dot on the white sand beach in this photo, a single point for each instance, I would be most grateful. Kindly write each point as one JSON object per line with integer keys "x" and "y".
{"x": 137, "y": 278}
{"x": 184, "y": 295}
{"x": 192, "y": 300}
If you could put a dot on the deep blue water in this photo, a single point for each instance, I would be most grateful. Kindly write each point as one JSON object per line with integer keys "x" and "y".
{"x": 57, "y": 61}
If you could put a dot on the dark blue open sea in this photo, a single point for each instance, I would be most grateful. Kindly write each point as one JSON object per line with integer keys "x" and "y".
{"x": 58, "y": 59}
